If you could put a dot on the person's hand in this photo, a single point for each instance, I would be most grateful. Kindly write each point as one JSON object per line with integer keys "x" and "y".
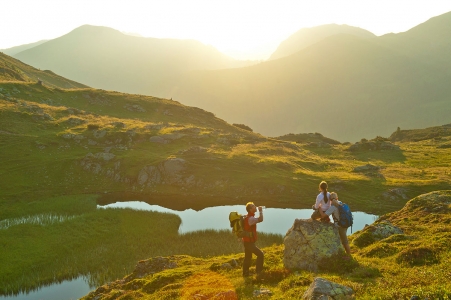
{"x": 260, "y": 209}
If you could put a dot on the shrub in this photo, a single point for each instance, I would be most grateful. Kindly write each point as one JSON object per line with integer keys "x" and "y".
{"x": 242, "y": 126}
{"x": 93, "y": 127}
{"x": 339, "y": 263}
{"x": 364, "y": 239}
{"x": 381, "y": 250}
{"x": 293, "y": 282}
{"x": 417, "y": 256}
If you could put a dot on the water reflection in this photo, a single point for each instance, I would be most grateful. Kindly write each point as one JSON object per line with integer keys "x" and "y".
{"x": 277, "y": 220}
{"x": 68, "y": 289}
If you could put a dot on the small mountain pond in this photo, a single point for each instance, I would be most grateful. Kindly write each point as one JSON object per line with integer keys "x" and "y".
{"x": 277, "y": 220}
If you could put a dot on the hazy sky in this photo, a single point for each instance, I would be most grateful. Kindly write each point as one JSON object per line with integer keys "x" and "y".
{"x": 244, "y": 29}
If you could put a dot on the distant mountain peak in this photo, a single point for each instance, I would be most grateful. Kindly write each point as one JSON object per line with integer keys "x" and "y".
{"x": 308, "y": 36}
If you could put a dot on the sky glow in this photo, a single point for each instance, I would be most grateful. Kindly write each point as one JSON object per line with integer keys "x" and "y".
{"x": 244, "y": 29}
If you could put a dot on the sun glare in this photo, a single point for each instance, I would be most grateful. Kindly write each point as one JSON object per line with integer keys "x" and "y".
{"x": 248, "y": 29}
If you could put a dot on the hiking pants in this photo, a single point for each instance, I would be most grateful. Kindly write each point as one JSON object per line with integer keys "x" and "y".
{"x": 249, "y": 248}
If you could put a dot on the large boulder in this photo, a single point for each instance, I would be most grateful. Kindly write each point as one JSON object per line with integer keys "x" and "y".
{"x": 309, "y": 241}
{"x": 322, "y": 289}
{"x": 172, "y": 169}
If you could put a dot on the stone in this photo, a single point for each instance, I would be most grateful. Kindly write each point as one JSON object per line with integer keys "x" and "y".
{"x": 118, "y": 124}
{"x": 158, "y": 139}
{"x": 151, "y": 266}
{"x": 149, "y": 175}
{"x": 325, "y": 289}
{"x": 375, "y": 232}
{"x": 105, "y": 156}
{"x": 172, "y": 168}
{"x": 309, "y": 241}
{"x": 195, "y": 149}
{"x": 261, "y": 292}
{"x": 366, "y": 168}
{"x": 396, "y": 193}
{"x": 173, "y": 136}
{"x": 154, "y": 126}
{"x": 99, "y": 133}
{"x": 134, "y": 108}
{"x": 226, "y": 295}
{"x": 67, "y": 136}
{"x": 76, "y": 121}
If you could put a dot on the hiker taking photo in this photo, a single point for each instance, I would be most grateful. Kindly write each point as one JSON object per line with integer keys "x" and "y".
{"x": 250, "y": 225}
{"x": 322, "y": 203}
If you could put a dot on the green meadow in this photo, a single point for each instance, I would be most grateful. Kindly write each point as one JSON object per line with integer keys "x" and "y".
{"x": 63, "y": 151}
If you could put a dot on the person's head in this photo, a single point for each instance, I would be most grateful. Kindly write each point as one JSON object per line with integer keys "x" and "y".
{"x": 334, "y": 198}
{"x": 250, "y": 207}
{"x": 323, "y": 188}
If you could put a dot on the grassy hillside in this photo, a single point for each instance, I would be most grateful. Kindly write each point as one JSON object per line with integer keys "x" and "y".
{"x": 14, "y": 70}
{"x": 106, "y": 58}
{"x": 65, "y": 150}
{"x": 397, "y": 267}
{"x": 308, "y": 36}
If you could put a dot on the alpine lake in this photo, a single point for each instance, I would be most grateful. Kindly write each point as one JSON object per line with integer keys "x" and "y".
{"x": 276, "y": 220}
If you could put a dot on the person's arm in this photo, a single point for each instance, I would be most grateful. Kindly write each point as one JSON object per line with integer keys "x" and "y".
{"x": 260, "y": 214}
{"x": 318, "y": 202}
{"x": 253, "y": 220}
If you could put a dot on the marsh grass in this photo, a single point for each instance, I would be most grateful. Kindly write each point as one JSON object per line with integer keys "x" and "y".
{"x": 102, "y": 245}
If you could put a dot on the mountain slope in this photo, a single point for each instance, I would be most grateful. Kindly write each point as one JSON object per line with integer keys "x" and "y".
{"x": 344, "y": 87}
{"x": 106, "y": 58}
{"x": 308, "y": 36}
{"x": 14, "y": 50}
{"x": 14, "y": 70}
{"x": 429, "y": 42}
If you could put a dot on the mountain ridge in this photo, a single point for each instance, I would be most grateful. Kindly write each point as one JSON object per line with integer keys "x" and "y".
{"x": 102, "y": 55}
{"x": 308, "y": 36}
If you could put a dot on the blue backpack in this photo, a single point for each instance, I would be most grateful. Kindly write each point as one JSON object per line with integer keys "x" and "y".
{"x": 345, "y": 213}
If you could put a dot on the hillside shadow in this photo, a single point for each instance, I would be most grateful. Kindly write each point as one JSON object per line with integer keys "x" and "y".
{"x": 387, "y": 156}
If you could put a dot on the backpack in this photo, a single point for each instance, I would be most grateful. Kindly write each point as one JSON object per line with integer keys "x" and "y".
{"x": 345, "y": 213}
{"x": 237, "y": 225}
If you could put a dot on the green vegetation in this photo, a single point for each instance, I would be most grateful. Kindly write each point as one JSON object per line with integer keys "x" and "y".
{"x": 101, "y": 244}
{"x": 65, "y": 150}
{"x": 397, "y": 267}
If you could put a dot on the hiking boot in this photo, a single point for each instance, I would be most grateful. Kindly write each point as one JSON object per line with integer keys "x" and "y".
{"x": 259, "y": 276}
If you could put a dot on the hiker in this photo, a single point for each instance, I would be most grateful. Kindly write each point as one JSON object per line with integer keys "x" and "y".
{"x": 250, "y": 224}
{"x": 322, "y": 204}
{"x": 333, "y": 210}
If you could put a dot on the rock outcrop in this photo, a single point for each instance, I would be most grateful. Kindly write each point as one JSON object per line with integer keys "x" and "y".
{"x": 375, "y": 232}
{"x": 168, "y": 172}
{"x": 307, "y": 242}
{"x": 324, "y": 289}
